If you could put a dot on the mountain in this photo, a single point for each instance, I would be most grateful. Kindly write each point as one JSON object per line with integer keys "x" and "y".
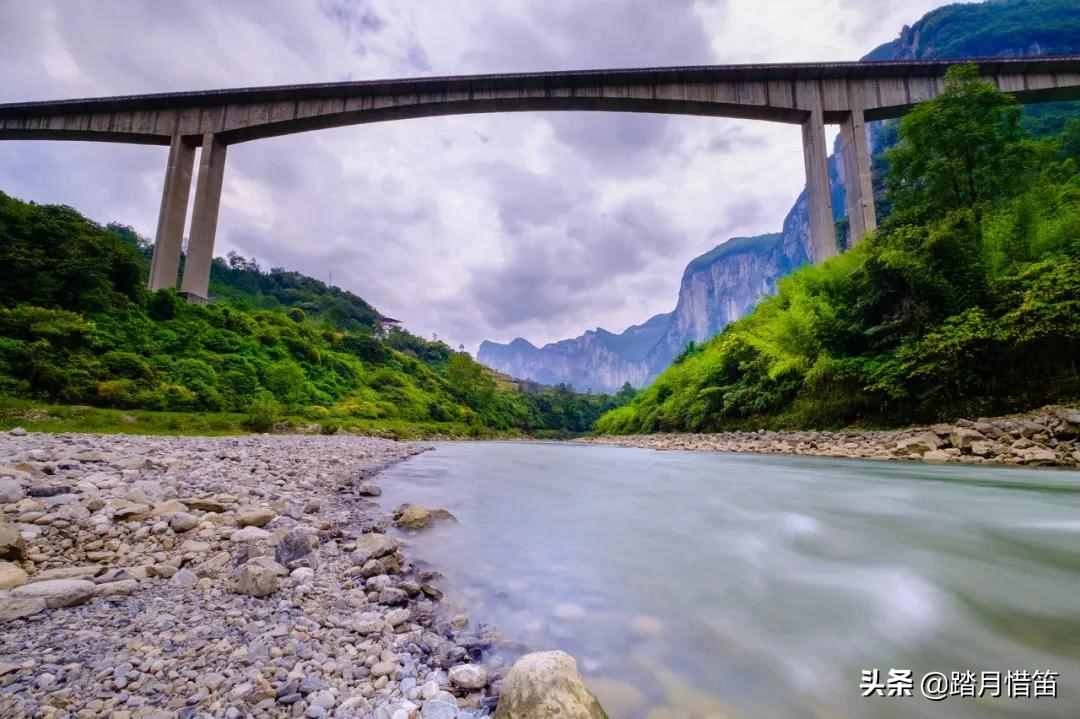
{"x": 726, "y": 282}
{"x": 597, "y": 360}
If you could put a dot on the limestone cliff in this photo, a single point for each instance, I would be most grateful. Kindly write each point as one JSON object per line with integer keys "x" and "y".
{"x": 598, "y": 360}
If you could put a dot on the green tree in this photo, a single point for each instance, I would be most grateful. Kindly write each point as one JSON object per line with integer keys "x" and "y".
{"x": 470, "y": 381}
{"x": 959, "y": 150}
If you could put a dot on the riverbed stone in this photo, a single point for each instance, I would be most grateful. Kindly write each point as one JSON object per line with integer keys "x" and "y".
{"x": 373, "y": 546}
{"x": 468, "y": 676}
{"x": 254, "y": 517}
{"x": 181, "y": 522}
{"x": 249, "y": 534}
{"x": 11, "y": 575}
{"x": 546, "y": 685}
{"x": 57, "y": 593}
{"x": 963, "y": 437}
{"x": 919, "y": 443}
{"x": 12, "y": 545}
{"x": 12, "y": 608}
{"x": 258, "y": 577}
{"x": 159, "y": 612}
{"x": 79, "y": 571}
{"x": 415, "y": 516}
{"x": 11, "y": 490}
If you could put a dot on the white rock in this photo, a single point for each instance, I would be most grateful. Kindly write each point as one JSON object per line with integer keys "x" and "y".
{"x": 183, "y": 522}
{"x": 398, "y": 616}
{"x": 468, "y": 676}
{"x": 185, "y": 579}
{"x": 249, "y": 534}
{"x": 303, "y": 575}
{"x": 11, "y": 491}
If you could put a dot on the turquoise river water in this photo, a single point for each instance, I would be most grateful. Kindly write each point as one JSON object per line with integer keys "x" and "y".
{"x": 718, "y": 585}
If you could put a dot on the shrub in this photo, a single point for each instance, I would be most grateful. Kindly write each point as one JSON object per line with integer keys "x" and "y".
{"x": 163, "y": 305}
{"x": 263, "y": 413}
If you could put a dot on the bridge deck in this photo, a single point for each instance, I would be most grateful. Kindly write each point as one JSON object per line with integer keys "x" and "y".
{"x": 543, "y": 80}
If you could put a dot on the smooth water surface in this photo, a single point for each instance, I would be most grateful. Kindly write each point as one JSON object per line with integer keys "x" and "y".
{"x": 701, "y": 585}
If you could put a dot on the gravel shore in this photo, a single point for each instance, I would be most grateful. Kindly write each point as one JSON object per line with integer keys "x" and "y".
{"x": 219, "y": 577}
{"x": 1049, "y": 437}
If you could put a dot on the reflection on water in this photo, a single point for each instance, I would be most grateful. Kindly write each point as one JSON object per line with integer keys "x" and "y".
{"x": 705, "y": 585}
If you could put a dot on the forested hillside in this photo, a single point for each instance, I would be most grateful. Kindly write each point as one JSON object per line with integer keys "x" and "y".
{"x": 78, "y": 327}
{"x": 965, "y": 301}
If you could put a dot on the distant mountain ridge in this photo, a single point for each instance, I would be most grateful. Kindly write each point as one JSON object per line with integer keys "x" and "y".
{"x": 723, "y": 284}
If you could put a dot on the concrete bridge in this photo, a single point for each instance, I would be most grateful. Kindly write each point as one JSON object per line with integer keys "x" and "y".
{"x": 809, "y": 95}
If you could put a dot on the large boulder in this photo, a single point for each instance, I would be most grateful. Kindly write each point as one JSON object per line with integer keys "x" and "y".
{"x": 964, "y": 437}
{"x": 546, "y": 685}
{"x": 57, "y": 593}
{"x": 415, "y": 516}
{"x": 919, "y": 444}
{"x": 12, "y": 545}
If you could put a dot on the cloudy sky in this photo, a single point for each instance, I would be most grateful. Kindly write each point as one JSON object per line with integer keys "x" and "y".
{"x": 539, "y": 225}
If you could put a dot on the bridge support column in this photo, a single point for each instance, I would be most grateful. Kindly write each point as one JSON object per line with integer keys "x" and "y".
{"x": 858, "y": 175}
{"x": 196, "y": 282}
{"x": 822, "y": 228}
{"x": 171, "y": 216}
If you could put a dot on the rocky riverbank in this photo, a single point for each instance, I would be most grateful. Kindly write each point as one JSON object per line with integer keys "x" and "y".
{"x": 163, "y": 577}
{"x": 1049, "y": 437}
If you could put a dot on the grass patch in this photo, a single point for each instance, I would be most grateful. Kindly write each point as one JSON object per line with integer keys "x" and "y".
{"x": 41, "y": 417}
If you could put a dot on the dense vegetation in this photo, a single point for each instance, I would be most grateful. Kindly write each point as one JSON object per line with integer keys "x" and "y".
{"x": 988, "y": 29}
{"x": 77, "y": 327}
{"x": 965, "y": 301}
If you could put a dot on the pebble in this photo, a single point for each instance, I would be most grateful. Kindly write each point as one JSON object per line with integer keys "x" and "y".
{"x": 126, "y": 560}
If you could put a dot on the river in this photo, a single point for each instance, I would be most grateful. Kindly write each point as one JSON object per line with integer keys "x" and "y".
{"x": 708, "y": 585}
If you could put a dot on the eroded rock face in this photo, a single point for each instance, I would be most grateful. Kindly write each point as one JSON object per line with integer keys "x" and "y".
{"x": 546, "y": 685}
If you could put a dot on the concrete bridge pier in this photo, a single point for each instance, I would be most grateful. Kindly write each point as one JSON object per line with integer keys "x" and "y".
{"x": 858, "y": 175}
{"x": 196, "y": 281}
{"x": 172, "y": 215}
{"x": 815, "y": 154}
